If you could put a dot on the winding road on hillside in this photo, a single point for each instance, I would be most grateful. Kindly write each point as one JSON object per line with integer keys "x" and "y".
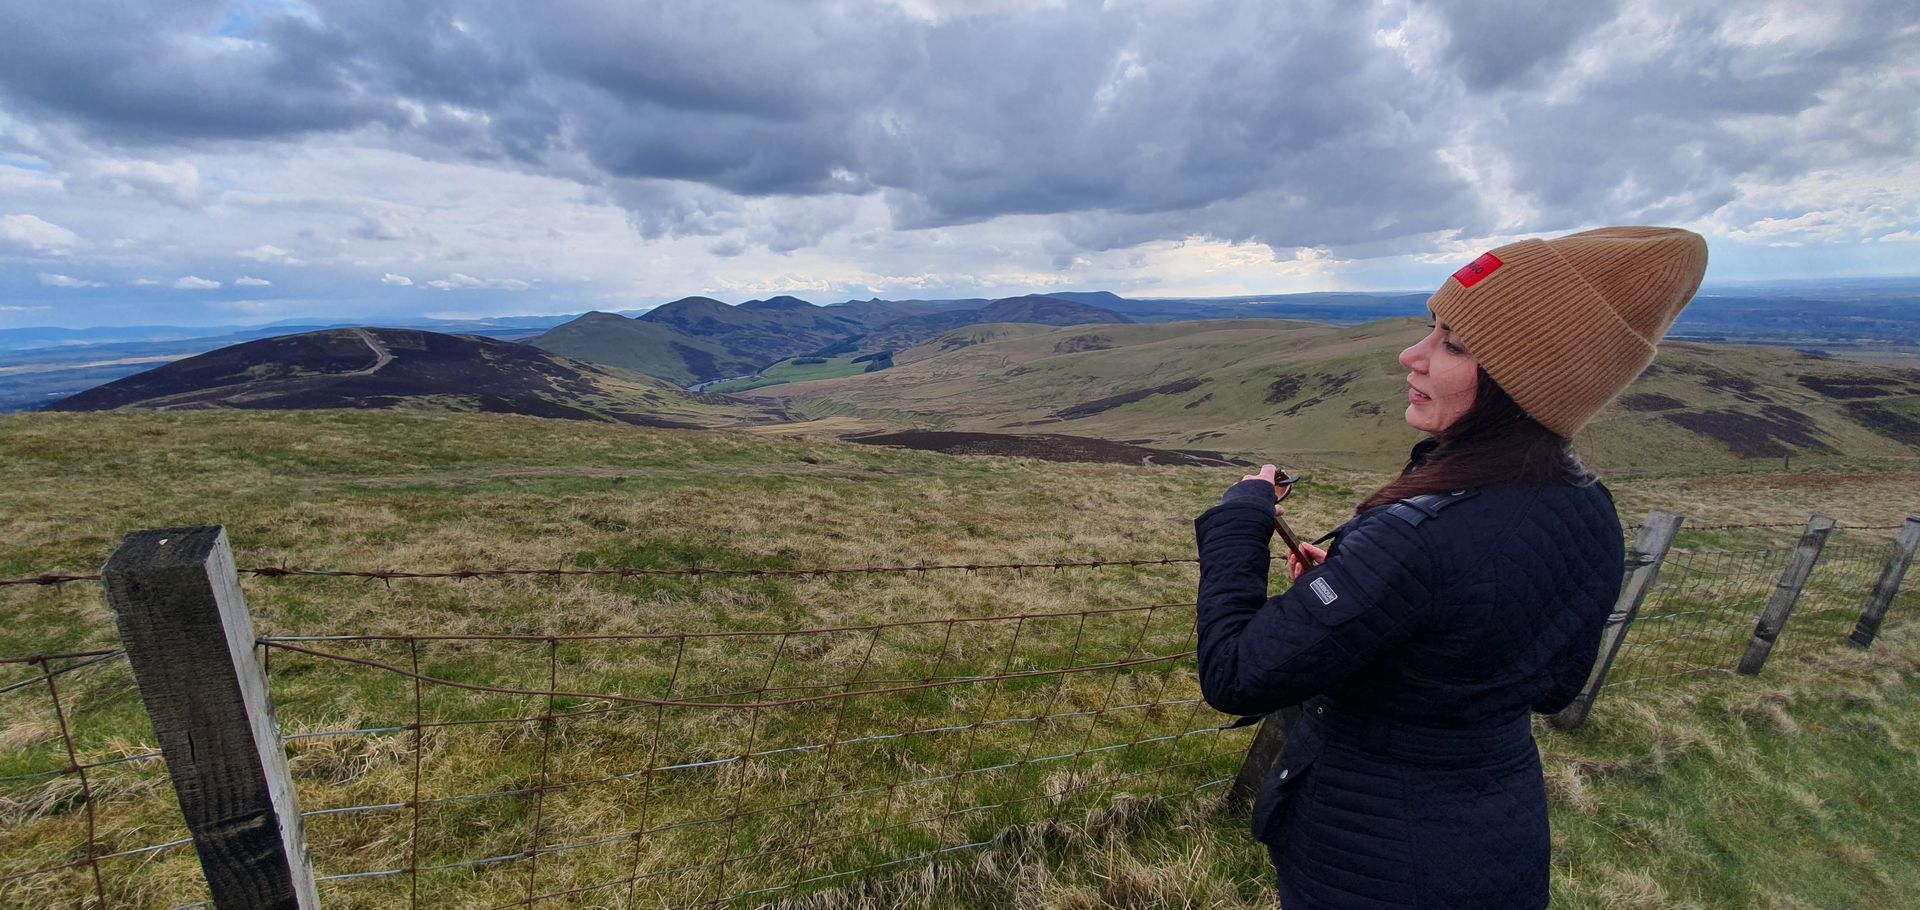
{"x": 381, "y": 356}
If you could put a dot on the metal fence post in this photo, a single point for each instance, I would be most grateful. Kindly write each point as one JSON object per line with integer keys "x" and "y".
{"x": 1786, "y": 594}
{"x": 1268, "y": 742}
{"x": 176, "y": 598}
{"x": 1889, "y": 585}
{"x": 1649, "y": 550}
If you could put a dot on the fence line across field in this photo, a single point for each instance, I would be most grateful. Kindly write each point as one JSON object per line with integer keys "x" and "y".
{"x": 54, "y": 579}
{"x": 803, "y": 782}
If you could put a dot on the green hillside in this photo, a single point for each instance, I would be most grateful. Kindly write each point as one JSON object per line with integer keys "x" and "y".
{"x": 1311, "y": 392}
{"x": 1792, "y": 790}
{"x": 643, "y": 347}
{"x": 791, "y": 371}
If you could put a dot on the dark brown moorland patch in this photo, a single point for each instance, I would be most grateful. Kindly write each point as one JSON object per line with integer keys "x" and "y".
{"x": 1090, "y": 408}
{"x": 1777, "y": 432}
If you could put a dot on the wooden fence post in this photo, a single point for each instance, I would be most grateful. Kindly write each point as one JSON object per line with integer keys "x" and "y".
{"x": 1268, "y": 742}
{"x": 1649, "y": 550}
{"x": 1876, "y": 612}
{"x": 1786, "y": 594}
{"x": 176, "y": 598}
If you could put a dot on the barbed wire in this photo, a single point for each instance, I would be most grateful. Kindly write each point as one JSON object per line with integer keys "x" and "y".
{"x": 697, "y": 571}
{"x": 802, "y": 856}
{"x": 694, "y": 571}
{"x": 1700, "y": 611}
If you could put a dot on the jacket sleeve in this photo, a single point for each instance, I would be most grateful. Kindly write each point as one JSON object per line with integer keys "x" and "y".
{"x": 1571, "y": 667}
{"x": 1257, "y": 654}
{"x": 1570, "y": 670}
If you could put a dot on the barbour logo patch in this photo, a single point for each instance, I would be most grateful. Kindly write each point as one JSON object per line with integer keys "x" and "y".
{"x": 1323, "y": 591}
{"x": 1470, "y": 274}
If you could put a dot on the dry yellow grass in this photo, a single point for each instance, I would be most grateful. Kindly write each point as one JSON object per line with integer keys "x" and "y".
{"x": 427, "y": 492}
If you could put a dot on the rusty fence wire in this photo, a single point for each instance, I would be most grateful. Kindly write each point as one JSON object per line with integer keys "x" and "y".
{"x": 716, "y": 769}
{"x": 86, "y": 811}
{"x": 709, "y": 769}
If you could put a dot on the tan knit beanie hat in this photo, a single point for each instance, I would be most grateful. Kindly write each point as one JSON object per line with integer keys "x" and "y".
{"x": 1565, "y": 324}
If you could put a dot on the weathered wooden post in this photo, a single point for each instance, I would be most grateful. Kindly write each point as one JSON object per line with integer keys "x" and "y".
{"x": 1644, "y": 558}
{"x": 1773, "y": 620}
{"x": 1889, "y": 585}
{"x": 176, "y": 598}
{"x": 1268, "y": 742}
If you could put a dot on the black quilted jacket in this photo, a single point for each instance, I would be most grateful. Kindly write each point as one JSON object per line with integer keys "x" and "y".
{"x": 1417, "y": 650}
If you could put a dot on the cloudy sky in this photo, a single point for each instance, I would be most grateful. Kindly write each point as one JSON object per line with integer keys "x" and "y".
{"x": 210, "y": 162}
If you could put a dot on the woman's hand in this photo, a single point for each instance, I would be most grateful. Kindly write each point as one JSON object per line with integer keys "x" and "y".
{"x": 1270, "y": 484}
{"x": 1267, "y": 473}
{"x": 1294, "y": 568}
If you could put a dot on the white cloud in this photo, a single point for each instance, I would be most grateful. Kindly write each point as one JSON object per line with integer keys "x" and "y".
{"x": 145, "y": 283}
{"x": 267, "y": 252}
{"x": 195, "y": 283}
{"x": 1179, "y": 147}
{"x": 67, "y": 281}
{"x": 248, "y": 281}
{"x": 36, "y": 235}
{"x": 23, "y": 309}
{"x": 177, "y": 183}
{"x": 459, "y": 280}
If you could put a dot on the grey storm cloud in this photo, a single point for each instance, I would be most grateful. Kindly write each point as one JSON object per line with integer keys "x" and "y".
{"x": 1498, "y": 42}
{"x": 1315, "y": 123}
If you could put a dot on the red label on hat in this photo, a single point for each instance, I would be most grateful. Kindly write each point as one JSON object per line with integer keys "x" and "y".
{"x": 1470, "y": 275}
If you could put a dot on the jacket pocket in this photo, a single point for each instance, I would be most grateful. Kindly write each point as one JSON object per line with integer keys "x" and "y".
{"x": 1281, "y": 789}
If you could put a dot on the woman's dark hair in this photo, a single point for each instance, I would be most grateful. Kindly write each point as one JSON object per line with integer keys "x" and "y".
{"x": 1494, "y": 442}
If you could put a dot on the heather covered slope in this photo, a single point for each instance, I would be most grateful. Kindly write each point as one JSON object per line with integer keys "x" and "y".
{"x": 404, "y": 368}
{"x": 1310, "y": 392}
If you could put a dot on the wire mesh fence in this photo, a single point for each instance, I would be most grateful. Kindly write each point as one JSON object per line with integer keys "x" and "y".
{"x": 1698, "y": 617}
{"x": 717, "y": 768}
{"x": 87, "y": 818}
{"x": 731, "y": 767}
{"x": 1831, "y": 601}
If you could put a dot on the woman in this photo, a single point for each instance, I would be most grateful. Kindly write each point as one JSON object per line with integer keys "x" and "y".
{"x": 1464, "y": 594}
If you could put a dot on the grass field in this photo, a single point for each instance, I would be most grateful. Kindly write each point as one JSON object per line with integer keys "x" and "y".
{"x": 788, "y": 371}
{"x": 1334, "y": 394}
{"x": 1704, "y": 789}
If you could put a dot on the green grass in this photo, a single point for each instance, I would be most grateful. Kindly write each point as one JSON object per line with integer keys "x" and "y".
{"x": 787, "y": 371}
{"x": 1349, "y": 395}
{"x": 1685, "y": 792}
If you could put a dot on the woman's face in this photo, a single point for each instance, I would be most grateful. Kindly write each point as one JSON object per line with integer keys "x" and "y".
{"x": 1443, "y": 380}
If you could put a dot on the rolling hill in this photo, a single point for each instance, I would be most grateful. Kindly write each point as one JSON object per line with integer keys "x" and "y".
{"x": 1272, "y": 389}
{"x": 700, "y": 339}
{"x": 404, "y": 368}
{"x": 1033, "y": 309}
{"x": 644, "y": 347}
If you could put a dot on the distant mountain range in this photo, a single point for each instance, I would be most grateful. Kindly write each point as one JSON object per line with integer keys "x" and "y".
{"x": 699, "y": 339}
{"x": 1252, "y": 389}
{"x": 696, "y": 341}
